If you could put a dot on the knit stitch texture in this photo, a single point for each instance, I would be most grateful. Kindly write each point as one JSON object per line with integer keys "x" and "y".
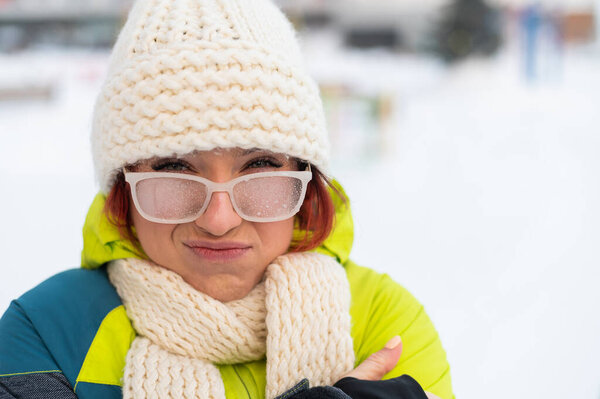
{"x": 298, "y": 317}
{"x": 190, "y": 75}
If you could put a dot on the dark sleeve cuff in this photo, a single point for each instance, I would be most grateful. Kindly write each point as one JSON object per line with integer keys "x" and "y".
{"x": 36, "y": 385}
{"x": 302, "y": 391}
{"x": 403, "y": 387}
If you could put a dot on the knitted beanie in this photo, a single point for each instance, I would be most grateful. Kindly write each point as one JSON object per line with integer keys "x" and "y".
{"x": 194, "y": 75}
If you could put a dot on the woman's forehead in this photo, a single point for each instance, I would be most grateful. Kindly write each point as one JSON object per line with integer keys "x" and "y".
{"x": 225, "y": 154}
{"x": 233, "y": 152}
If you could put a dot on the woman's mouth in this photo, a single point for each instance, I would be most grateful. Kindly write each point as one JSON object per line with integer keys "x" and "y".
{"x": 218, "y": 251}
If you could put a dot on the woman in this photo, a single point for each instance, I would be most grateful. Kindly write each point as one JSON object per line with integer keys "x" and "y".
{"x": 215, "y": 259}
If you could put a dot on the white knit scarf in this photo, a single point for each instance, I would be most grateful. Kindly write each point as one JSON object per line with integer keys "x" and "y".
{"x": 298, "y": 316}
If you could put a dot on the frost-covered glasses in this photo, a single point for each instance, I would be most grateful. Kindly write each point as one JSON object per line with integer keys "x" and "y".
{"x": 172, "y": 198}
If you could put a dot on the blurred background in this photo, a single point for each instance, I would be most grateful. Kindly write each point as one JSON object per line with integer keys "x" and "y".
{"x": 465, "y": 133}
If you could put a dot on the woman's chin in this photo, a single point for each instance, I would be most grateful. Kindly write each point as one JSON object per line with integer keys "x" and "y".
{"x": 224, "y": 287}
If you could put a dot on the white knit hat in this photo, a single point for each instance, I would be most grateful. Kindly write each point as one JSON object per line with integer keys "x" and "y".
{"x": 190, "y": 75}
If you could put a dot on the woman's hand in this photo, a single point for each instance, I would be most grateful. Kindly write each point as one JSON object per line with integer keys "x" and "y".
{"x": 380, "y": 363}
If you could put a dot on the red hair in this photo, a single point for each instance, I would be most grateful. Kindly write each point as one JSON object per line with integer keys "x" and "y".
{"x": 116, "y": 208}
{"x": 314, "y": 220}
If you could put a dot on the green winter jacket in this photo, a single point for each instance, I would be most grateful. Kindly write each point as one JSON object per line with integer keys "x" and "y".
{"x": 92, "y": 360}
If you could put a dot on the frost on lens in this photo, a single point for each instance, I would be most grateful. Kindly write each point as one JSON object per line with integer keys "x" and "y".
{"x": 268, "y": 197}
{"x": 170, "y": 198}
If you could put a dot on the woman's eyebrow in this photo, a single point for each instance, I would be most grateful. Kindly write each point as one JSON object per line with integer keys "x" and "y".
{"x": 260, "y": 151}
{"x": 252, "y": 150}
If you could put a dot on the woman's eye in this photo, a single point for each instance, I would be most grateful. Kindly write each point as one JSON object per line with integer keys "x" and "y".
{"x": 170, "y": 165}
{"x": 263, "y": 163}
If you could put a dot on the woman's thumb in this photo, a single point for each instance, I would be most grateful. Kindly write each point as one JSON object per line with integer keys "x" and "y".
{"x": 379, "y": 363}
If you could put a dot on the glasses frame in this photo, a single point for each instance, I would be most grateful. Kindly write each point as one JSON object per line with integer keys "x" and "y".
{"x": 133, "y": 178}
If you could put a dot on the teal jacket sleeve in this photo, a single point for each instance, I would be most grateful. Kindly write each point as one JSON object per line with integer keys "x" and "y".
{"x": 21, "y": 348}
{"x": 45, "y": 336}
{"x": 27, "y": 368}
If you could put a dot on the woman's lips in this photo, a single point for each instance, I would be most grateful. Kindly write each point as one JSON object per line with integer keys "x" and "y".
{"x": 218, "y": 251}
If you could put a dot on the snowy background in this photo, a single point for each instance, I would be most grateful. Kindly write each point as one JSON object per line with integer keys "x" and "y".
{"x": 483, "y": 200}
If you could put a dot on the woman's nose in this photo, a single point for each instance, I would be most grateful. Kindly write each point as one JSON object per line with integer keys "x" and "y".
{"x": 219, "y": 217}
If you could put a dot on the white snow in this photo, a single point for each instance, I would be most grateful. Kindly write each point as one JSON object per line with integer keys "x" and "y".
{"x": 485, "y": 205}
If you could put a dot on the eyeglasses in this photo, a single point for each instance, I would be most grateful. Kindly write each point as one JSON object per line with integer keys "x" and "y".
{"x": 173, "y": 198}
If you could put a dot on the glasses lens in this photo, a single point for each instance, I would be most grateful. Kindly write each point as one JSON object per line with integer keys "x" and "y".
{"x": 170, "y": 198}
{"x": 268, "y": 197}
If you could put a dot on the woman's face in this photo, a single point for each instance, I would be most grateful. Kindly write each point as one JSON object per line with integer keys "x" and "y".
{"x": 219, "y": 254}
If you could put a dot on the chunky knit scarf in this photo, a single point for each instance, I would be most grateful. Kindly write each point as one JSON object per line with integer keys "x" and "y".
{"x": 298, "y": 317}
